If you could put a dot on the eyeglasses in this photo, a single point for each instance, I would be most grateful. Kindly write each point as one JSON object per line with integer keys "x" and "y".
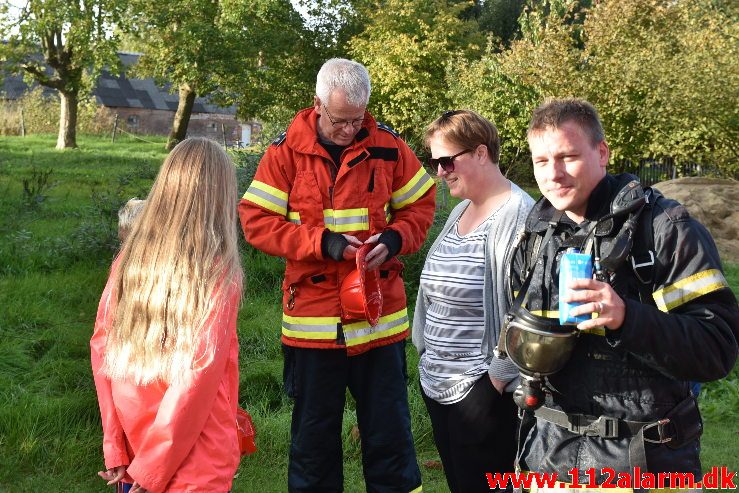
{"x": 340, "y": 124}
{"x": 446, "y": 162}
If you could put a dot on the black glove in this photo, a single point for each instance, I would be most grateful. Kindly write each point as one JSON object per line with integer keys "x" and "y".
{"x": 333, "y": 245}
{"x": 392, "y": 240}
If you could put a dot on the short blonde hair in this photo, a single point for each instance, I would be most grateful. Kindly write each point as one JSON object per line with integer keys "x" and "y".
{"x": 126, "y": 216}
{"x": 466, "y": 129}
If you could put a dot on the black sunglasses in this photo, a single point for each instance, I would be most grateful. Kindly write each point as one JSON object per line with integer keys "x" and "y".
{"x": 446, "y": 162}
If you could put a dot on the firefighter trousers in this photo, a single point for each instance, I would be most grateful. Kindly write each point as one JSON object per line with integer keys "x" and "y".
{"x": 317, "y": 380}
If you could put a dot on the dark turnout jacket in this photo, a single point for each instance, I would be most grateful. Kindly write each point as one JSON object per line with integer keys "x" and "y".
{"x": 687, "y": 330}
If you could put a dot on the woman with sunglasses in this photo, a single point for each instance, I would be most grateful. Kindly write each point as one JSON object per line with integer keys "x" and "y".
{"x": 461, "y": 302}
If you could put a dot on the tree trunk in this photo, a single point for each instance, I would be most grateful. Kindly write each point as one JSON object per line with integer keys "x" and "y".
{"x": 67, "y": 121}
{"x": 182, "y": 117}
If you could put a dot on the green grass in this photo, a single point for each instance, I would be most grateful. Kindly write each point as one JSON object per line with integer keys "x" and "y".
{"x": 55, "y": 251}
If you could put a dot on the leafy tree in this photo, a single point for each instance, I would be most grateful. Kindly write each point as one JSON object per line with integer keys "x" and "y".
{"x": 664, "y": 75}
{"x": 506, "y": 86}
{"x": 406, "y": 45}
{"x": 62, "y": 45}
{"x": 661, "y": 72}
{"x": 229, "y": 50}
{"x": 280, "y": 59}
{"x": 333, "y": 23}
{"x": 500, "y": 18}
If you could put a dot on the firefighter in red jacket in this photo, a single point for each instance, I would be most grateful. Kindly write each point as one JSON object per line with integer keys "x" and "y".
{"x": 334, "y": 181}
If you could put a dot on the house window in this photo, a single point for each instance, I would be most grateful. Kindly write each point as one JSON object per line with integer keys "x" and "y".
{"x": 133, "y": 121}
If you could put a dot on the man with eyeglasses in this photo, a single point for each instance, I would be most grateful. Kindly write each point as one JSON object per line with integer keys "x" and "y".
{"x": 335, "y": 181}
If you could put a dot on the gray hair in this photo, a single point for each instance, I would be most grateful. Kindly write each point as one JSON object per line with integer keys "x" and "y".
{"x": 340, "y": 73}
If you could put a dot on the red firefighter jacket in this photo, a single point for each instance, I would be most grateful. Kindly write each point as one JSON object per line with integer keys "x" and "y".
{"x": 293, "y": 200}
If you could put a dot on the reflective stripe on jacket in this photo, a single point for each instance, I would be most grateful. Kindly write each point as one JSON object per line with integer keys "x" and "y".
{"x": 293, "y": 200}
{"x": 174, "y": 437}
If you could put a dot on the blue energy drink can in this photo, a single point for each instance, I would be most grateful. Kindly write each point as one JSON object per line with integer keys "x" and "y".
{"x": 574, "y": 265}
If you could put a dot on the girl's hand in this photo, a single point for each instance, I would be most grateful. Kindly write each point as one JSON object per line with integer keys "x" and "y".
{"x": 137, "y": 488}
{"x": 113, "y": 475}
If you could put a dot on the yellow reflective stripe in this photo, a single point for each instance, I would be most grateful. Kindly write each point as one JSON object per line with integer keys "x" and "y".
{"x": 310, "y": 320}
{"x": 689, "y": 289}
{"x": 417, "y": 490}
{"x": 304, "y": 334}
{"x": 310, "y": 327}
{"x": 412, "y": 191}
{"x": 388, "y": 214}
{"x": 546, "y": 313}
{"x": 389, "y": 325}
{"x": 293, "y": 217}
{"x": 345, "y": 212}
{"x": 276, "y": 192}
{"x": 599, "y": 331}
{"x": 343, "y": 220}
{"x": 267, "y": 196}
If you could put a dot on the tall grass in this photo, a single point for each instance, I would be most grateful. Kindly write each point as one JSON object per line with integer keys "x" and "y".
{"x": 54, "y": 257}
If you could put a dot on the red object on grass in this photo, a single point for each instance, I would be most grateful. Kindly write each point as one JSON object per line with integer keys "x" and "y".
{"x": 245, "y": 431}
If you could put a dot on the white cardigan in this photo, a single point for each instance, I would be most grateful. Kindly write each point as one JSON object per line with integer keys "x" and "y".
{"x": 510, "y": 219}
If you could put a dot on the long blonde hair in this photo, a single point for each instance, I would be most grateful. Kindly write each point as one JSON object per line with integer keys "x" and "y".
{"x": 180, "y": 255}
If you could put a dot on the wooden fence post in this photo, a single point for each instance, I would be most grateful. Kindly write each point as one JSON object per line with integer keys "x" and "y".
{"x": 115, "y": 128}
{"x": 23, "y": 124}
{"x": 223, "y": 134}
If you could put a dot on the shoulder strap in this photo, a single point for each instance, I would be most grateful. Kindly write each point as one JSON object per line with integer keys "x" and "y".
{"x": 642, "y": 254}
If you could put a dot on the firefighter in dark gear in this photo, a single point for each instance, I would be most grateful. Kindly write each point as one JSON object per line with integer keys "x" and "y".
{"x": 336, "y": 182}
{"x": 662, "y": 312}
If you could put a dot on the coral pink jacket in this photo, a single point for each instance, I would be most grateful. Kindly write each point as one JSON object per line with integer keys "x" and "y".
{"x": 174, "y": 438}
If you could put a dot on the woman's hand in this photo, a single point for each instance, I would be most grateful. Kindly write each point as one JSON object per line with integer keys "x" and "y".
{"x": 113, "y": 475}
{"x": 498, "y": 384}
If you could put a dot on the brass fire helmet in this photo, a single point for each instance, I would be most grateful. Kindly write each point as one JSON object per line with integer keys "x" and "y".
{"x": 538, "y": 346}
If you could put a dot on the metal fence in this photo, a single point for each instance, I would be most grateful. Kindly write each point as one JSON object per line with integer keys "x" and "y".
{"x": 651, "y": 171}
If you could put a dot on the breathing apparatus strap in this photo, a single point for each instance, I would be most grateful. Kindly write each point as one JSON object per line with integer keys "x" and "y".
{"x": 525, "y": 286}
{"x": 556, "y": 217}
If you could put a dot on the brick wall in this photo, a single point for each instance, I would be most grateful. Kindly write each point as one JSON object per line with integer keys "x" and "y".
{"x": 159, "y": 122}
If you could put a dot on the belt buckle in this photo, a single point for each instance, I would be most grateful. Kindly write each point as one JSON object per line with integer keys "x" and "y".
{"x": 661, "y": 425}
{"x": 604, "y": 427}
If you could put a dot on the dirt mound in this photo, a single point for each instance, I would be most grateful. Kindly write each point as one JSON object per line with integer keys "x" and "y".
{"x": 713, "y": 202}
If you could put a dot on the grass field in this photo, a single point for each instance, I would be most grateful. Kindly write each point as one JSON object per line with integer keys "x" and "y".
{"x": 56, "y": 242}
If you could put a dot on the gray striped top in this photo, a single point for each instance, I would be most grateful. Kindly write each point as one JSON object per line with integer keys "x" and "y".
{"x": 453, "y": 278}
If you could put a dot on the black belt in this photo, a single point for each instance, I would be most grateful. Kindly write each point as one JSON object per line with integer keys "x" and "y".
{"x": 606, "y": 426}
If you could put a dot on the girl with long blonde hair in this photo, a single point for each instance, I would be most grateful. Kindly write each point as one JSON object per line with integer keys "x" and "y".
{"x": 164, "y": 351}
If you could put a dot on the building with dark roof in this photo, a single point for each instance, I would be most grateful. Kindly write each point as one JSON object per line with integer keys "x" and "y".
{"x": 143, "y": 107}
